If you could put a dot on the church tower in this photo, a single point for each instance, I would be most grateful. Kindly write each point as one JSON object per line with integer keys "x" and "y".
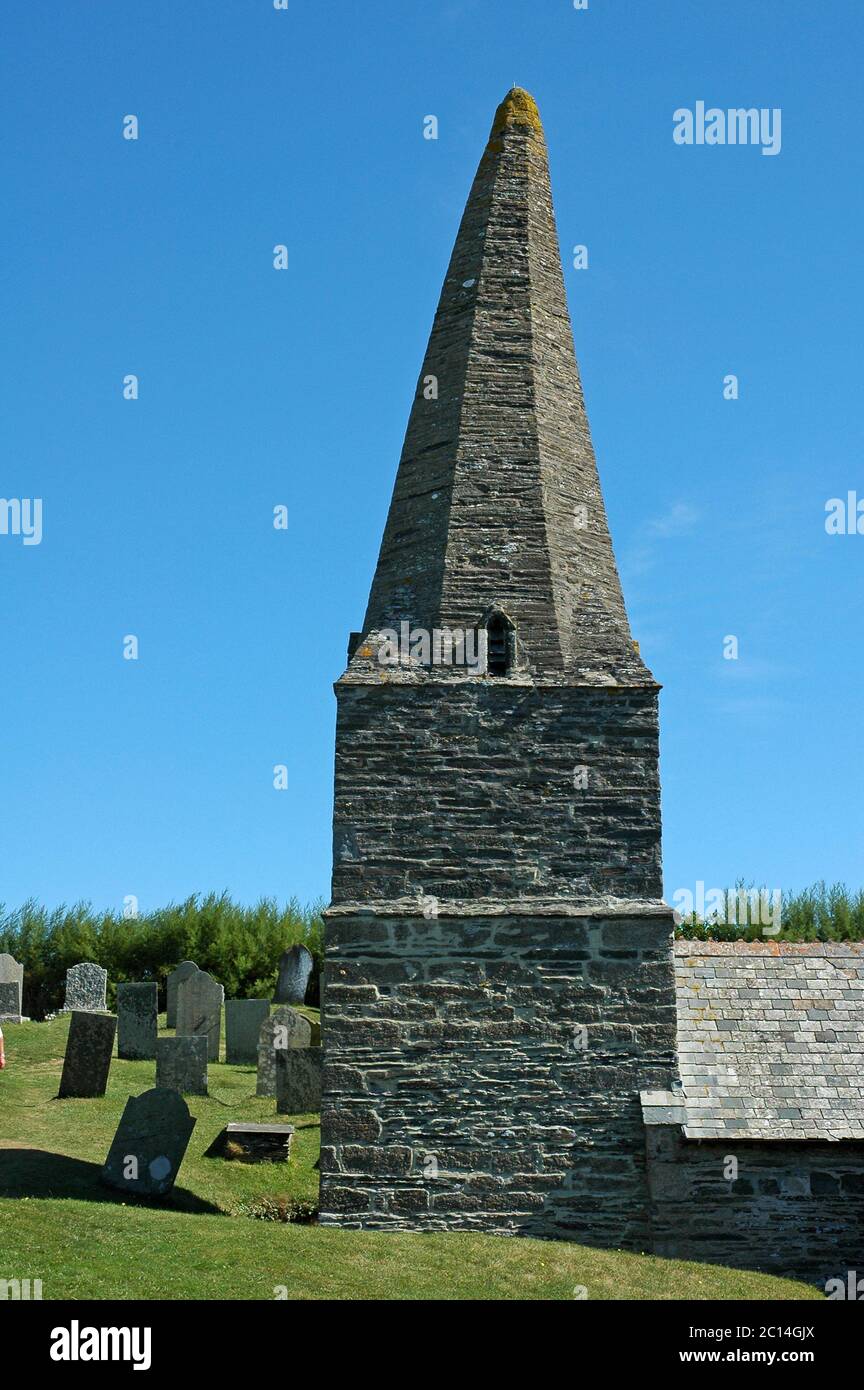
{"x": 498, "y": 981}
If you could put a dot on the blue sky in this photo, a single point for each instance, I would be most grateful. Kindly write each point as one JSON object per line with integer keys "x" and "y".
{"x": 257, "y": 388}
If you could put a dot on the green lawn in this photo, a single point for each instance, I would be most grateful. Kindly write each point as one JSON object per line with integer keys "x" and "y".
{"x": 58, "y": 1224}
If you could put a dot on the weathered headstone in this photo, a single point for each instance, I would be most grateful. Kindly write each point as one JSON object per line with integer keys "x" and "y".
{"x": 199, "y": 1010}
{"x": 298, "y": 1080}
{"x": 284, "y": 1028}
{"x": 295, "y": 967}
{"x": 88, "y": 1054}
{"x": 10, "y": 1002}
{"x": 11, "y": 973}
{"x": 180, "y": 973}
{"x": 85, "y": 988}
{"x": 150, "y": 1143}
{"x": 181, "y": 1064}
{"x": 243, "y": 1020}
{"x": 137, "y": 1021}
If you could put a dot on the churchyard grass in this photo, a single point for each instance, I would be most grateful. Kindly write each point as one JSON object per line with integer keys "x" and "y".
{"x": 60, "y": 1225}
{"x": 60, "y": 1144}
{"x": 81, "y": 1250}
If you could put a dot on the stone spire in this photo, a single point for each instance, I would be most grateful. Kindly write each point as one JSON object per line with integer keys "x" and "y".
{"x": 496, "y": 832}
{"x": 497, "y": 502}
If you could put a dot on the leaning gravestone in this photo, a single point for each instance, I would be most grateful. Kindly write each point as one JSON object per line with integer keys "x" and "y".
{"x": 88, "y": 1054}
{"x": 85, "y": 988}
{"x": 284, "y": 1028}
{"x": 181, "y": 1064}
{"x": 298, "y": 1080}
{"x": 11, "y": 973}
{"x": 199, "y": 1010}
{"x": 150, "y": 1143}
{"x": 243, "y": 1020}
{"x": 137, "y": 1022}
{"x": 180, "y": 973}
{"x": 295, "y": 967}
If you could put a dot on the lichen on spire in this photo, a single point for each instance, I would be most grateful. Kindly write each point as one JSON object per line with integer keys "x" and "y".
{"x": 517, "y": 109}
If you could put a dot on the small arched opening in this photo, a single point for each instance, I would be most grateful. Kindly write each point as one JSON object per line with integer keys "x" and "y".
{"x": 499, "y": 637}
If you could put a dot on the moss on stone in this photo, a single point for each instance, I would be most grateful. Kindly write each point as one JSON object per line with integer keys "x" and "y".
{"x": 517, "y": 109}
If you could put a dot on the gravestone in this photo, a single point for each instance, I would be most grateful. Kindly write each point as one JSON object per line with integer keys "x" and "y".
{"x": 199, "y": 1010}
{"x": 88, "y": 1054}
{"x": 85, "y": 988}
{"x": 151, "y": 1140}
{"x": 180, "y": 973}
{"x": 10, "y": 1002}
{"x": 137, "y": 1021}
{"x": 295, "y": 967}
{"x": 11, "y": 973}
{"x": 181, "y": 1064}
{"x": 298, "y": 1080}
{"x": 284, "y": 1028}
{"x": 243, "y": 1020}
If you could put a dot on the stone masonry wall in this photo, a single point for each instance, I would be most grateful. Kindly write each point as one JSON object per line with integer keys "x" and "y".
{"x": 795, "y": 1208}
{"x": 460, "y": 1090}
{"x": 465, "y": 789}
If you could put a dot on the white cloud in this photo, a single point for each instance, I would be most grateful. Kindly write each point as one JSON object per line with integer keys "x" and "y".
{"x": 677, "y": 522}
{"x": 681, "y": 519}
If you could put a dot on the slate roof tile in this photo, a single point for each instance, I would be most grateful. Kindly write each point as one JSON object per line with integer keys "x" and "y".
{"x": 771, "y": 1039}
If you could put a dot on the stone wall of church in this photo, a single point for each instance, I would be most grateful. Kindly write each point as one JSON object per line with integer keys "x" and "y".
{"x": 483, "y": 1071}
{"x": 491, "y": 789}
{"x": 794, "y": 1208}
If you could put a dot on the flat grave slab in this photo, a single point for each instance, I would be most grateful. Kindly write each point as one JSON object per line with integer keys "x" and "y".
{"x": 248, "y": 1143}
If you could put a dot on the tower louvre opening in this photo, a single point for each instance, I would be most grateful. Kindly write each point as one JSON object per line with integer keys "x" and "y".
{"x": 498, "y": 632}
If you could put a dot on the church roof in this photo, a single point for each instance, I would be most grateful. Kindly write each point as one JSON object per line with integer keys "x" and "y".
{"x": 497, "y": 503}
{"x": 770, "y": 1041}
